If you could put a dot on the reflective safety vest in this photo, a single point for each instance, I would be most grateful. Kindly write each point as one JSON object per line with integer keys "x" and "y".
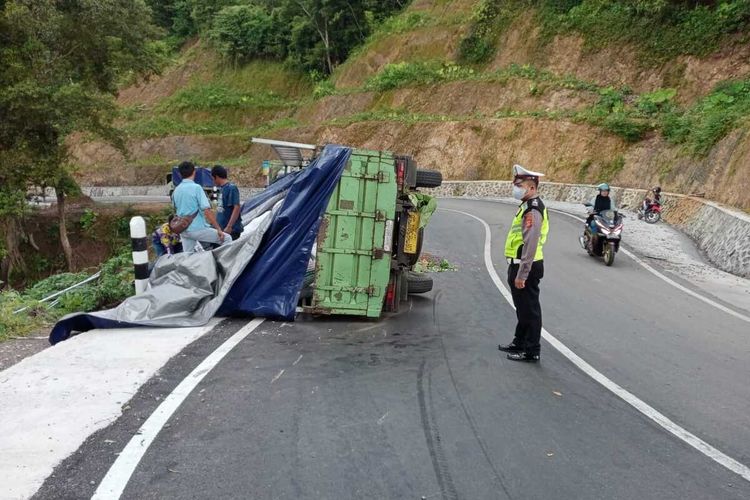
{"x": 514, "y": 242}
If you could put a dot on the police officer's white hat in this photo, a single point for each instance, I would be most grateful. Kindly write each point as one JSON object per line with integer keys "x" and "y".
{"x": 521, "y": 173}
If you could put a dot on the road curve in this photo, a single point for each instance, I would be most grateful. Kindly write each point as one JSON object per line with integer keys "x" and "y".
{"x": 422, "y": 405}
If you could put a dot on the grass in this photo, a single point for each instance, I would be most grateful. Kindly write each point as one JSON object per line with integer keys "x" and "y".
{"x": 213, "y": 96}
{"x": 659, "y": 30}
{"x": 710, "y": 119}
{"x": 161, "y": 126}
{"x": 412, "y": 74}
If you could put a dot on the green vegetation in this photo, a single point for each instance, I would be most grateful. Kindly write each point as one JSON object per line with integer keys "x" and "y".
{"x": 659, "y": 29}
{"x": 113, "y": 285}
{"x": 428, "y": 263}
{"x": 211, "y": 96}
{"x": 61, "y": 66}
{"x": 480, "y": 43}
{"x": 711, "y": 118}
{"x": 611, "y": 169}
{"x": 407, "y": 74}
{"x": 161, "y": 126}
{"x": 312, "y": 35}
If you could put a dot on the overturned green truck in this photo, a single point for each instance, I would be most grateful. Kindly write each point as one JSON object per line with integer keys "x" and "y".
{"x": 371, "y": 234}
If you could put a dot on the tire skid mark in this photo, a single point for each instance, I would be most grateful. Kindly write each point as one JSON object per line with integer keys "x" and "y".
{"x": 432, "y": 436}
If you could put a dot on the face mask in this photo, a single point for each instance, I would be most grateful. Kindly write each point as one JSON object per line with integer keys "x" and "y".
{"x": 518, "y": 192}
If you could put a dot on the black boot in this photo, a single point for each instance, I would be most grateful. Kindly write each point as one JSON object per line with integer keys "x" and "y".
{"x": 523, "y": 356}
{"x": 512, "y": 347}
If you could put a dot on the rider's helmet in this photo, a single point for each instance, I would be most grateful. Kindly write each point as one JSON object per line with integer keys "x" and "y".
{"x": 657, "y": 189}
{"x": 603, "y": 187}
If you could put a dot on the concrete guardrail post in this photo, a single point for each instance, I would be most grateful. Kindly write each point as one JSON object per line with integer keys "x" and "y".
{"x": 139, "y": 243}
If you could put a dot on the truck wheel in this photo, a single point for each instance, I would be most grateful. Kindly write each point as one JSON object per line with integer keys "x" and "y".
{"x": 429, "y": 178}
{"x": 419, "y": 282}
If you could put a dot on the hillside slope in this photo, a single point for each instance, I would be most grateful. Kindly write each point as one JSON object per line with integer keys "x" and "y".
{"x": 554, "y": 103}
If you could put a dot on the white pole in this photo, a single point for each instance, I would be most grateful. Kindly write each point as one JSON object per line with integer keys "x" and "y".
{"x": 139, "y": 243}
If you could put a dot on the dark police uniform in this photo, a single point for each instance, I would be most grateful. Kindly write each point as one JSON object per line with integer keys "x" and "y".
{"x": 524, "y": 253}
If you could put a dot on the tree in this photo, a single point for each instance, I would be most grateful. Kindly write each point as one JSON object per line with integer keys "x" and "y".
{"x": 62, "y": 61}
{"x": 245, "y": 31}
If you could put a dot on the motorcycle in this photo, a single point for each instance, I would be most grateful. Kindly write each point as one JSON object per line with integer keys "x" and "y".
{"x": 651, "y": 213}
{"x": 605, "y": 241}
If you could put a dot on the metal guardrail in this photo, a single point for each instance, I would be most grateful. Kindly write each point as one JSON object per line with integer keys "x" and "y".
{"x": 61, "y": 292}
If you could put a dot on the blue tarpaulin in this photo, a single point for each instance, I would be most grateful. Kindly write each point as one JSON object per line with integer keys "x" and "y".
{"x": 202, "y": 177}
{"x": 260, "y": 274}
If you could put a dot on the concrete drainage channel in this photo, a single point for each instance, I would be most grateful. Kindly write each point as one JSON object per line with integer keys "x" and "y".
{"x": 721, "y": 233}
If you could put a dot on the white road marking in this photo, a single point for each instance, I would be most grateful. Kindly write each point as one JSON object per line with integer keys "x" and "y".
{"x": 298, "y": 360}
{"x": 278, "y": 376}
{"x": 668, "y": 280}
{"x": 382, "y": 419}
{"x": 119, "y": 474}
{"x": 643, "y": 407}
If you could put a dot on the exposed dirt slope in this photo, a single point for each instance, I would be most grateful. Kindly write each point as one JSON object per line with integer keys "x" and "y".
{"x": 468, "y": 130}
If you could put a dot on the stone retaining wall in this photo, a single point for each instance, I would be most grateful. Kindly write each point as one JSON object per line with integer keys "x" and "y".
{"x": 721, "y": 233}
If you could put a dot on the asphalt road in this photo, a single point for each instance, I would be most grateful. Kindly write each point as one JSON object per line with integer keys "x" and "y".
{"x": 422, "y": 405}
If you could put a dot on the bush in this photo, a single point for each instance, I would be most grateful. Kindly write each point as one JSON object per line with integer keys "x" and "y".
{"x": 711, "y": 118}
{"x": 54, "y": 284}
{"x": 406, "y": 74}
{"x": 12, "y": 324}
{"x": 478, "y": 46}
{"x": 323, "y": 89}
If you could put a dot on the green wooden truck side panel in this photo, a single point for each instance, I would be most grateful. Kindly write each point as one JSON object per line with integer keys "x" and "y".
{"x": 352, "y": 267}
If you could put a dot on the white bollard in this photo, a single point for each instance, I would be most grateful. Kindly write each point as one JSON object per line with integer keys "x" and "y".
{"x": 139, "y": 243}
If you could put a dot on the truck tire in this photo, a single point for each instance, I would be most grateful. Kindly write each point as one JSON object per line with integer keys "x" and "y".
{"x": 419, "y": 282}
{"x": 429, "y": 178}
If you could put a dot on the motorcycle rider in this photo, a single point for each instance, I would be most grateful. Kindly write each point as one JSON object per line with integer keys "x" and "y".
{"x": 652, "y": 196}
{"x": 601, "y": 202}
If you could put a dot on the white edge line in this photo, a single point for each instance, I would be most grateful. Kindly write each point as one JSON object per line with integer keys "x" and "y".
{"x": 643, "y": 407}
{"x": 118, "y": 475}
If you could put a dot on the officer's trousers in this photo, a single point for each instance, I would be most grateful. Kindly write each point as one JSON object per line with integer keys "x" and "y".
{"x": 528, "y": 308}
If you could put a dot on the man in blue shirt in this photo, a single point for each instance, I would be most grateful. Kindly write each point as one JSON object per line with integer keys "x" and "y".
{"x": 189, "y": 199}
{"x": 228, "y": 212}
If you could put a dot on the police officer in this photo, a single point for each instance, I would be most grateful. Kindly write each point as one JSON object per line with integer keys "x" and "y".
{"x": 523, "y": 251}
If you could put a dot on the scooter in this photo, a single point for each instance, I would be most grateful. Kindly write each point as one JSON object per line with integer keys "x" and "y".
{"x": 651, "y": 213}
{"x": 604, "y": 241}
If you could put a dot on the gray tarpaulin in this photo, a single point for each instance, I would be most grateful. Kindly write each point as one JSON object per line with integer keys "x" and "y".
{"x": 259, "y": 274}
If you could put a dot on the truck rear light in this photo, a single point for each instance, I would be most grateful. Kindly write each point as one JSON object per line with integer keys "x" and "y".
{"x": 390, "y": 295}
{"x": 400, "y": 173}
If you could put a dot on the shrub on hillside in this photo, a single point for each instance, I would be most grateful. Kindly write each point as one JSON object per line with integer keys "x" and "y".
{"x": 405, "y": 74}
{"x": 711, "y": 118}
{"x": 478, "y": 45}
